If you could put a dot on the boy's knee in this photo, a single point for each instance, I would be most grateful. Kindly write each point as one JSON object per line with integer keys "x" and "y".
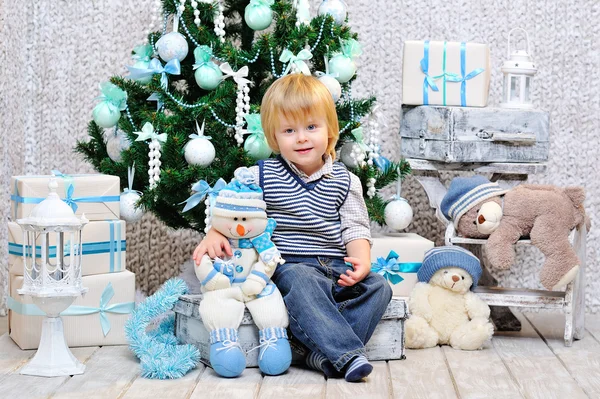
{"x": 381, "y": 285}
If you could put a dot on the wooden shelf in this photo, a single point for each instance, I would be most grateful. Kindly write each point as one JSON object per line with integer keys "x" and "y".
{"x": 497, "y": 296}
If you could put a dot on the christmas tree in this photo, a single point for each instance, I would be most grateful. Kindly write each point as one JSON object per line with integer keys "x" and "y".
{"x": 211, "y": 70}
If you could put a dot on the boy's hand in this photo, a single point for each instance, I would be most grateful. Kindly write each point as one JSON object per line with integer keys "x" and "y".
{"x": 351, "y": 277}
{"x": 213, "y": 244}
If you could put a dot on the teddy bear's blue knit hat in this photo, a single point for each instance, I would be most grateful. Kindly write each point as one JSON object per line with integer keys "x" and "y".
{"x": 466, "y": 192}
{"x": 449, "y": 256}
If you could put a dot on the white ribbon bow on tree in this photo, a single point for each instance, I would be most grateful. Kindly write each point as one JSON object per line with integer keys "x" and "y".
{"x": 239, "y": 76}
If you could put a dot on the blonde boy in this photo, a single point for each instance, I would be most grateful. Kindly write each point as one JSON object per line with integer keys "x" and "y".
{"x": 322, "y": 228}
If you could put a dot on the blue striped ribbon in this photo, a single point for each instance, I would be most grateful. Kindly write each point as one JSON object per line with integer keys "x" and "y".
{"x": 471, "y": 75}
{"x": 89, "y": 248}
{"x": 429, "y": 81}
{"x": 114, "y": 247}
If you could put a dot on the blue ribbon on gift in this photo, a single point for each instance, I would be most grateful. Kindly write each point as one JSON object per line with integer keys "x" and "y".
{"x": 390, "y": 268}
{"x": 115, "y": 249}
{"x": 463, "y": 79}
{"x": 115, "y": 246}
{"x": 202, "y": 189}
{"x": 76, "y": 310}
{"x": 429, "y": 81}
{"x": 72, "y": 202}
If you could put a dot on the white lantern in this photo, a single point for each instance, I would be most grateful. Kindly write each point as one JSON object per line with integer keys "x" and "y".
{"x": 53, "y": 282}
{"x": 518, "y": 72}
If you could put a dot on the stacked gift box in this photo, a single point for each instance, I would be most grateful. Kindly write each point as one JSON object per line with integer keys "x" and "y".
{"x": 398, "y": 257}
{"x": 445, "y": 73}
{"x": 98, "y": 317}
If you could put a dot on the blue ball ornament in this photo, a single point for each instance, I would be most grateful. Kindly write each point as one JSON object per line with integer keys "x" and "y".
{"x": 143, "y": 65}
{"x": 106, "y": 115}
{"x": 344, "y": 66}
{"x": 208, "y": 76}
{"x": 258, "y": 16}
{"x": 257, "y": 147}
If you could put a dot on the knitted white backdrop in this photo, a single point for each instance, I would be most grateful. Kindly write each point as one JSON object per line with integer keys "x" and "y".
{"x": 55, "y": 53}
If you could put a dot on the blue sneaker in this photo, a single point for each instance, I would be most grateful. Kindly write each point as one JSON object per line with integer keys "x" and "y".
{"x": 275, "y": 354}
{"x": 227, "y": 358}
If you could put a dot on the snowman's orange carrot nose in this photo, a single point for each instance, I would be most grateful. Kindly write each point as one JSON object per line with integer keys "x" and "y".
{"x": 240, "y": 230}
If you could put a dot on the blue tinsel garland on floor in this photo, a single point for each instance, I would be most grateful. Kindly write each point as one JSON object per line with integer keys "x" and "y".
{"x": 160, "y": 355}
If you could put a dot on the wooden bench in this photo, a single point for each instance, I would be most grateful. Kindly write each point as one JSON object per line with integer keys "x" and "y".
{"x": 571, "y": 302}
{"x": 387, "y": 342}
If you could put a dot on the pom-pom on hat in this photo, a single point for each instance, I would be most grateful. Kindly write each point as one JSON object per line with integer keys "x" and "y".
{"x": 242, "y": 197}
{"x": 466, "y": 192}
{"x": 449, "y": 256}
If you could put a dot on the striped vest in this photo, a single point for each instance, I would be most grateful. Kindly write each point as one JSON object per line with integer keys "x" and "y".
{"x": 307, "y": 214}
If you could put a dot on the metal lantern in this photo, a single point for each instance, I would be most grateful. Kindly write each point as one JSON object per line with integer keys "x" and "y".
{"x": 53, "y": 282}
{"x": 518, "y": 72}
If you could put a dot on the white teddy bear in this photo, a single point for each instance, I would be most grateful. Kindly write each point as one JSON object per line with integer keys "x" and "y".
{"x": 443, "y": 308}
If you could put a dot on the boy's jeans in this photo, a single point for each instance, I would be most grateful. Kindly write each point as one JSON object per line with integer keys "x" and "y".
{"x": 326, "y": 317}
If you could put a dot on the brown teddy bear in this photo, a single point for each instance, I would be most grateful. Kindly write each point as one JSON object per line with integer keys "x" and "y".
{"x": 545, "y": 213}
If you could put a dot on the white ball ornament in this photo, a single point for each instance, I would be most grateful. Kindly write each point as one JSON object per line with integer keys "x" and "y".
{"x": 199, "y": 150}
{"x": 116, "y": 144}
{"x": 398, "y": 214}
{"x": 127, "y": 206}
{"x": 335, "y": 8}
{"x": 333, "y": 86}
{"x": 258, "y": 16}
{"x": 348, "y": 154}
{"x": 172, "y": 45}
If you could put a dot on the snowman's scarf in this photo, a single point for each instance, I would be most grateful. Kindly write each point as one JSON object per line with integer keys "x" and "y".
{"x": 267, "y": 251}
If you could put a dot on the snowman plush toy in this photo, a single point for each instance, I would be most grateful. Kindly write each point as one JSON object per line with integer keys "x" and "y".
{"x": 244, "y": 280}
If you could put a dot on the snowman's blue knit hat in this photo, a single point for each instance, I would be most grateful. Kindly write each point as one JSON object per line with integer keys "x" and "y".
{"x": 466, "y": 192}
{"x": 449, "y": 256}
{"x": 242, "y": 197}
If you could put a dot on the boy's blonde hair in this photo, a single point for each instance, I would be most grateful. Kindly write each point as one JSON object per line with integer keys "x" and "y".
{"x": 297, "y": 97}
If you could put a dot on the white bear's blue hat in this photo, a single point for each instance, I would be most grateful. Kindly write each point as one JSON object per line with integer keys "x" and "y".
{"x": 449, "y": 256}
{"x": 466, "y": 192}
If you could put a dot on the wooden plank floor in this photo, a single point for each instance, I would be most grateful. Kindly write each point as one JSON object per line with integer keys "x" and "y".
{"x": 533, "y": 363}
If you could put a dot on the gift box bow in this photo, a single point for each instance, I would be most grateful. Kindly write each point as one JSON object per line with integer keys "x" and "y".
{"x": 76, "y": 310}
{"x": 390, "y": 268}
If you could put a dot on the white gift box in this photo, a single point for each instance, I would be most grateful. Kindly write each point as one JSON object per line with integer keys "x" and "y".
{"x": 98, "y": 318}
{"x": 410, "y": 249}
{"x": 104, "y": 247}
{"x": 445, "y": 73}
{"x": 95, "y": 195}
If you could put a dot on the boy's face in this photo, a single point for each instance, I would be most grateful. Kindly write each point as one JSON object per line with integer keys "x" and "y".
{"x": 303, "y": 142}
